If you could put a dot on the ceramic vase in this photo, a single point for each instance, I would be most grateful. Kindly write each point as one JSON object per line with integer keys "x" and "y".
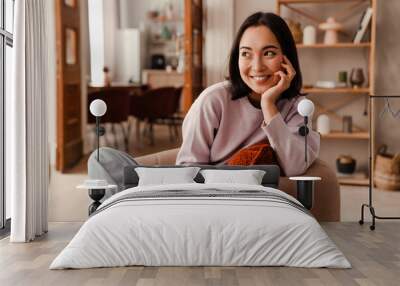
{"x": 356, "y": 77}
{"x": 323, "y": 124}
{"x": 309, "y": 35}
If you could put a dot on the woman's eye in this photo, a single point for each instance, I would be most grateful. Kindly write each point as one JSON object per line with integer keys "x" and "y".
{"x": 244, "y": 54}
{"x": 269, "y": 53}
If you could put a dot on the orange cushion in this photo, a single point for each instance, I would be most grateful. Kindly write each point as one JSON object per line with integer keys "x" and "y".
{"x": 257, "y": 154}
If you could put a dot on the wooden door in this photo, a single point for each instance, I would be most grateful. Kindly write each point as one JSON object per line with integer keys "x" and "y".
{"x": 69, "y": 135}
{"x": 193, "y": 46}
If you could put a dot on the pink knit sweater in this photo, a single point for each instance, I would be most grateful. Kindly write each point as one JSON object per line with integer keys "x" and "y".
{"x": 217, "y": 126}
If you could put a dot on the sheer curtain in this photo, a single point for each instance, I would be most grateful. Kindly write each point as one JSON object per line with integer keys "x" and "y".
{"x": 27, "y": 142}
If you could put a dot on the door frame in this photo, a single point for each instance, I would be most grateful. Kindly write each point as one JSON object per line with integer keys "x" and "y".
{"x": 68, "y": 153}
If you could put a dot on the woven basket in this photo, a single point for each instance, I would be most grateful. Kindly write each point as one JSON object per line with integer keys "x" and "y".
{"x": 387, "y": 171}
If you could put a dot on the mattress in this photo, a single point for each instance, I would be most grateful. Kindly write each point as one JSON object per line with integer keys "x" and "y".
{"x": 201, "y": 225}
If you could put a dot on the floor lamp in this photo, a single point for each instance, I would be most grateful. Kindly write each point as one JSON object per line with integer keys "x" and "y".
{"x": 305, "y": 184}
{"x": 97, "y": 188}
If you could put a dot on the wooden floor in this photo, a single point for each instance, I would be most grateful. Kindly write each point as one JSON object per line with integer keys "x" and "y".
{"x": 374, "y": 255}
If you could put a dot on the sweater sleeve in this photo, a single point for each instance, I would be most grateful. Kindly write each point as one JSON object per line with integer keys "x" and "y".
{"x": 198, "y": 130}
{"x": 289, "y": 144}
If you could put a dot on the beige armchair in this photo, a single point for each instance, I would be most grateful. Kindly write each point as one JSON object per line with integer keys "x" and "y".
{"x": 326, "y": 194}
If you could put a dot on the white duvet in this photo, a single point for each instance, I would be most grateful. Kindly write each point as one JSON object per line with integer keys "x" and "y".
{"x": 200, "y": 231}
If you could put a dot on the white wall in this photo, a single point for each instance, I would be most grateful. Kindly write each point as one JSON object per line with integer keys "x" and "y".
{"x": 110, "y": 34}
{"x": 108, "y": 19}
{"x": 102, "y": 17}
{"x": 96, "y": 36}
{"x": 129, "y": 61}
{"x": 243, "y": 9}
{"x": 133, "y": 13}
{"x": 387, "y": 73}
{"x": 218, "y": 32}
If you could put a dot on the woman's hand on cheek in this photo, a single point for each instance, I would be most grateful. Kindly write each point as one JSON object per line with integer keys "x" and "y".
{"x": 281, "y": 82}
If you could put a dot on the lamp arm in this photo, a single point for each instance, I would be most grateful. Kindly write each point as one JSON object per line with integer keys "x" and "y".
{"x": 305, "y": 138}
{"x": 303, "y": 131}
{"x": 305, "y": 108}
{"x": 98, "y": 137}
{"x": 99, "y": 131}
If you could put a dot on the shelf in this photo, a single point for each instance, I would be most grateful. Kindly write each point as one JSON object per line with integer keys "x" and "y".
{"x": 338, "y": 45}
{"x": 162, "y": 42}
{"x": 353, "y": 181}
{"x": 161, "y": 72}
{"x": 361, "y": 90}
{"x": 162, "y": 19}
{"x": 351, "y": 10}
{"x": 356, "y": 179}
{"x": 314, "y": 1}
{"x": 343, "y": 135}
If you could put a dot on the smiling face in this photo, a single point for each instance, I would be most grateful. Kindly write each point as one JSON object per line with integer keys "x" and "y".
{"x": 260, "y": 56}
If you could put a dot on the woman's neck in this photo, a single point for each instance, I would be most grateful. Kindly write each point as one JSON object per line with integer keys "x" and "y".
{"x": 255, "y": 99}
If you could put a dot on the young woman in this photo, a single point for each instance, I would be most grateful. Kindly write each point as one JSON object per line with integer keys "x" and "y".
{"x": 257, "y": 103}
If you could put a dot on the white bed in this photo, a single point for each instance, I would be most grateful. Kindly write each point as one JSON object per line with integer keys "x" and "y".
{"x": 265, "y": 229}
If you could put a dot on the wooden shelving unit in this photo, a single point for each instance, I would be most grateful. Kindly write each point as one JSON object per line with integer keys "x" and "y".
{"x": 348, "y": 90}
{"x": 353, "y": 181}
{"x": 343, "y": 135}
{"x": 335, "y": 46}
{"x": 346, "y": 8}
{"x": 315, "y": 1}
{"x": 356, "y": 179}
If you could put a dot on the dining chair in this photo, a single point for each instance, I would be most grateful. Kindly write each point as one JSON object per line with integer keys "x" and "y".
{"x": 157, "y": 106}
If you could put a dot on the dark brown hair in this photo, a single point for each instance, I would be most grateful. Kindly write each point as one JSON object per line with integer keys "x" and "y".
{"x": 281, "y": 31}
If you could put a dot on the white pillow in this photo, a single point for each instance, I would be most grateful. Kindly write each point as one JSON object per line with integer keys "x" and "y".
{"x": 162, "y": 176}
{"x": 248, "y": 177}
